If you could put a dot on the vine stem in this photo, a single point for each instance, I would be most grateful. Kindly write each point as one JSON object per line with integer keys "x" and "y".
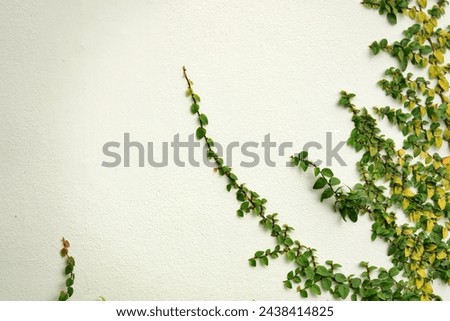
{"x": 208, "y": 144}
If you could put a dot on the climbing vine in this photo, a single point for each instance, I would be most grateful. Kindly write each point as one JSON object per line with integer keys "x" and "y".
{"x": 68, "y": 271}
{"x": 411, "y": 181}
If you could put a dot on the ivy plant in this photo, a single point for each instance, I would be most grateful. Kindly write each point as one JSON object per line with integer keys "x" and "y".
{"x": 411, "y": 180}
{"x": 64, "y": 295}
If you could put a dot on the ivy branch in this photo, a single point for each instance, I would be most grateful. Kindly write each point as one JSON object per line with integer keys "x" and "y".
{"x": 68, "y": 271}
{"x": 417, "y": 175}
{"x": 309, "y": 275}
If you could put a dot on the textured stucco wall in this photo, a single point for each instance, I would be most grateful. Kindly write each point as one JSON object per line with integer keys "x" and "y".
{"x": 77, "y": 74}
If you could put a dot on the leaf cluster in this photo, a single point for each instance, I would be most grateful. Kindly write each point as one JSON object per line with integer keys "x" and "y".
{"x": 310, "y": 276}
{"x": 411, "y": 180}
{"x": 416, "y": 174}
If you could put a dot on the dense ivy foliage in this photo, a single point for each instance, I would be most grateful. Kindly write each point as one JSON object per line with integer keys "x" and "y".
{"x": 412, "y": 180}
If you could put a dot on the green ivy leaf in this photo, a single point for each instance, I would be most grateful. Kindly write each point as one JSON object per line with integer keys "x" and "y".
{"x": 426, "y": 50}
{"x": 69, "y": 282}
{"x": 290, "y": 255}
{"x": 304, "y": 293}
{"x": 69, "y": 269}
{"x": 343, "y": 290}
{"x": 203, "y": 119}
{"x": 327, "y": 172}
{"x": 310, "y": 273}
{"x": 394, "y": 271}
{"x": 320, "y": 183}
{"x": 323, "y": 271}
{"x": 355, "y": 282}
{"x": 327, "y": 193}
{"x": 259, "y": 254}
{"x": 71, "y": 261}
{"x": 375, "y": 48}
{"x": 197, "y": 98}
{"x": 339, "y": 277}
{"x": 392, "y": 18}
{"x": 288, "y": 241}
{"x": 194, "y": 108}
{"x": 303, "y": 166}
{"x": 63, "y": 296}
{"x": 315, "y": 289}
{"x": 352, "y": 214}
{"x": 326, "y": 283}
{"x": 302, "y": 260}
{"x": 303, "y": 155}
{"x": 316, "y": 171}
{"x": 288, "y": 284}
{"x": 334, "y": 181}
{"x": 403, "y": 64}
{"x": 200, "y": 133}
{"x": 240, "y": 196}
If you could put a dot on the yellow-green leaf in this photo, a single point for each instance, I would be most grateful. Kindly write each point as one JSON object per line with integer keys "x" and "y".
{"x": 444, "y": 233}
{"x": 441, "y": 255}
{"x": 429, "y": 28}
{"x": 421, "y": 16}
{"x": 428, "y": 288}
{"x": 422, "y": 273}
{"x": 407, "y": 252}
{"x": 408, "y": 193}
{"x": 443, "y": 83}
{"x": 424, "y": 297}
{"x": 434, "y": 71}
{"x": 397, "y": 180}
{"x": 447, "y": 134}
{"x": 419, "y": 283}
{"x": 422, "y": 3}
{"x": 439, "y": 56}
{"x": 405, "y": 203}
{"x": 415, "y": 216}
{"x": 432, "y": 258}
{"x": 438, "y": 142}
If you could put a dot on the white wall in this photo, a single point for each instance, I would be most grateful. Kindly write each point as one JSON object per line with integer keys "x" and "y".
{"x": 77, "y": 74}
